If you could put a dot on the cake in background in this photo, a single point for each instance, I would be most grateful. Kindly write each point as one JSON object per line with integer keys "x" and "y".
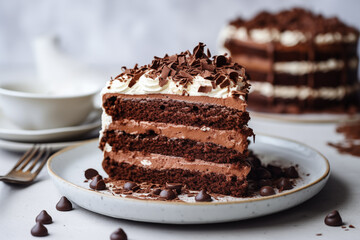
{"x": 298, "y": 61}
{"x": 181, "y": 119}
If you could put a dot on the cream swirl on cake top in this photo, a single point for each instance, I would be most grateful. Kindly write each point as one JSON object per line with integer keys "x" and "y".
{"x": 148, "y": 85}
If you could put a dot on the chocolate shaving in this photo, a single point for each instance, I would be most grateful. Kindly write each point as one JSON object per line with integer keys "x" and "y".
{"x": 220, "y": 61}
{"x": 154, "y": 64}
{"x": 219, "y": 79}
{"x": 207, "y": 75}
{"x": 199, "y": 50}
{"x": 164, "y": 74}
{"x": 173, "y": 58}
{"x": 225, "y": 83}
{"x": 204, "y": 89}
{"x": 208, "y": 53}
{"x": 233, "y": 75}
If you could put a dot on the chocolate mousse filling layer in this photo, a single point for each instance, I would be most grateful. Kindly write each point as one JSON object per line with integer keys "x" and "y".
{"x": 163, "y": 163}
{"x": 227, "y": 138}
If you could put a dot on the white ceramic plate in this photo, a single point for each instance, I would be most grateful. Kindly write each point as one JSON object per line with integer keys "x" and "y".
{"x": 9, "y": 131}
{"x": 306, "y": 117}
{"x": 67, "y": 167}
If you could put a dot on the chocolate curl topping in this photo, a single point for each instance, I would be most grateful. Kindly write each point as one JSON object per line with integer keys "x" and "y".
{"x": 154, "y": 64}
{"x": 163, "y": 77}
{"x": 204, "y": 89}
{"x": 184, "y": 67}
{"x": 199, "y": 50}
{"x": 208, "y": 53}
{"x": 233, "y": 75}
{"x": 220, "y": 61}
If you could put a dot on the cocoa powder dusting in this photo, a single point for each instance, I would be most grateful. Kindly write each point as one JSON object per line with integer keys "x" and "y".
{"x": 351, "y": 144}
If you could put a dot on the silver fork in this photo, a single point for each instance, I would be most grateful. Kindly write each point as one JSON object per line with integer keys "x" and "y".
{"x": 21, "y": 173}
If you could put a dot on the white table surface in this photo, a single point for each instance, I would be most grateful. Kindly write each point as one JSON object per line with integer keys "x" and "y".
{"x": 20, "y": 205}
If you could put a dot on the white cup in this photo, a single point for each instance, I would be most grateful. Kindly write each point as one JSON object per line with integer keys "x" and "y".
{"x": 35, "y": 106}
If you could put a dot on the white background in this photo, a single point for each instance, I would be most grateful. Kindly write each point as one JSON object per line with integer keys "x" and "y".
{"x": 116, "y": 33}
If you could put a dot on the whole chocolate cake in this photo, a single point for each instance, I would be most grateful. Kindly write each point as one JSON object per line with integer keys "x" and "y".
{"x": 298, "y": 61}
{"x": 181, "y": 119}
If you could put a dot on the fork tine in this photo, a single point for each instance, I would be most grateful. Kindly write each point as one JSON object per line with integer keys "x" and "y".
{"x": 48, "y": 151}
{"x": 39, "y": 155}
{"x": 31, "y": 155}
{"x": 26, "y": 154}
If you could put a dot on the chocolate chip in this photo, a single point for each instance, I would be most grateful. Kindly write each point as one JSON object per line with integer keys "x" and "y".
{"x": 90, "y": 173}
{"x": 276, "y": 172}
{"x": 267, "y": 191}
{"x": 253, "y": 186}
{"x": 98, "y": 183}
{"x": 284, "y": 184}
{"x": 131, "y": 186}
{"x": 263, "y": 173}
{"x": 291, "y": 172}
{"x": 64, "y": 205}
{"x": 265, "y": 182}
{"x": 119, "y": 234}
{"x": 43, "y": 217}
{"x": 254, "y": 161}
{"x": 167, "y": 194}
{"x": 174, "y": 186}
{"x": 333, "y": 219}
{"x": 203, "y": 196}
{"x": 39, "y": 230}
{"x": 156, "y": 191}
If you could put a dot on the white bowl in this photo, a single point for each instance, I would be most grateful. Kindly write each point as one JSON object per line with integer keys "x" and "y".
{"x": 36, "y": 106}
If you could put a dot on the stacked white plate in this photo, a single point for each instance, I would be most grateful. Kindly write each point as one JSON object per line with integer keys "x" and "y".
{"x": 14, "y": 138}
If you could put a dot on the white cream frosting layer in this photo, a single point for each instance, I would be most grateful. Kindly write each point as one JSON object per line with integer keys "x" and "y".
{"x": 287, "y": 38}
{"x": 305, "y": 67}
{"x": 148, "y": 85}
{"x": 303, "y": 92}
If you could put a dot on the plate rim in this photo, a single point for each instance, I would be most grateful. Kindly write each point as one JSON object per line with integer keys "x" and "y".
{"x": 151, "y": 201}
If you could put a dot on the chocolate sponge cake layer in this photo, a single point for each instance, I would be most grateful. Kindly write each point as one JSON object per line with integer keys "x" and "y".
{"x": 175, "y": 112}
{"x": 194, "y": 180}
{"x": 186, "y": 148}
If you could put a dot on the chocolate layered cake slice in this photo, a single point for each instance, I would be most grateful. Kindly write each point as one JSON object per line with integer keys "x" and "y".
{"x": 299, "y": 61}
{"x": 180, "y": 119}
